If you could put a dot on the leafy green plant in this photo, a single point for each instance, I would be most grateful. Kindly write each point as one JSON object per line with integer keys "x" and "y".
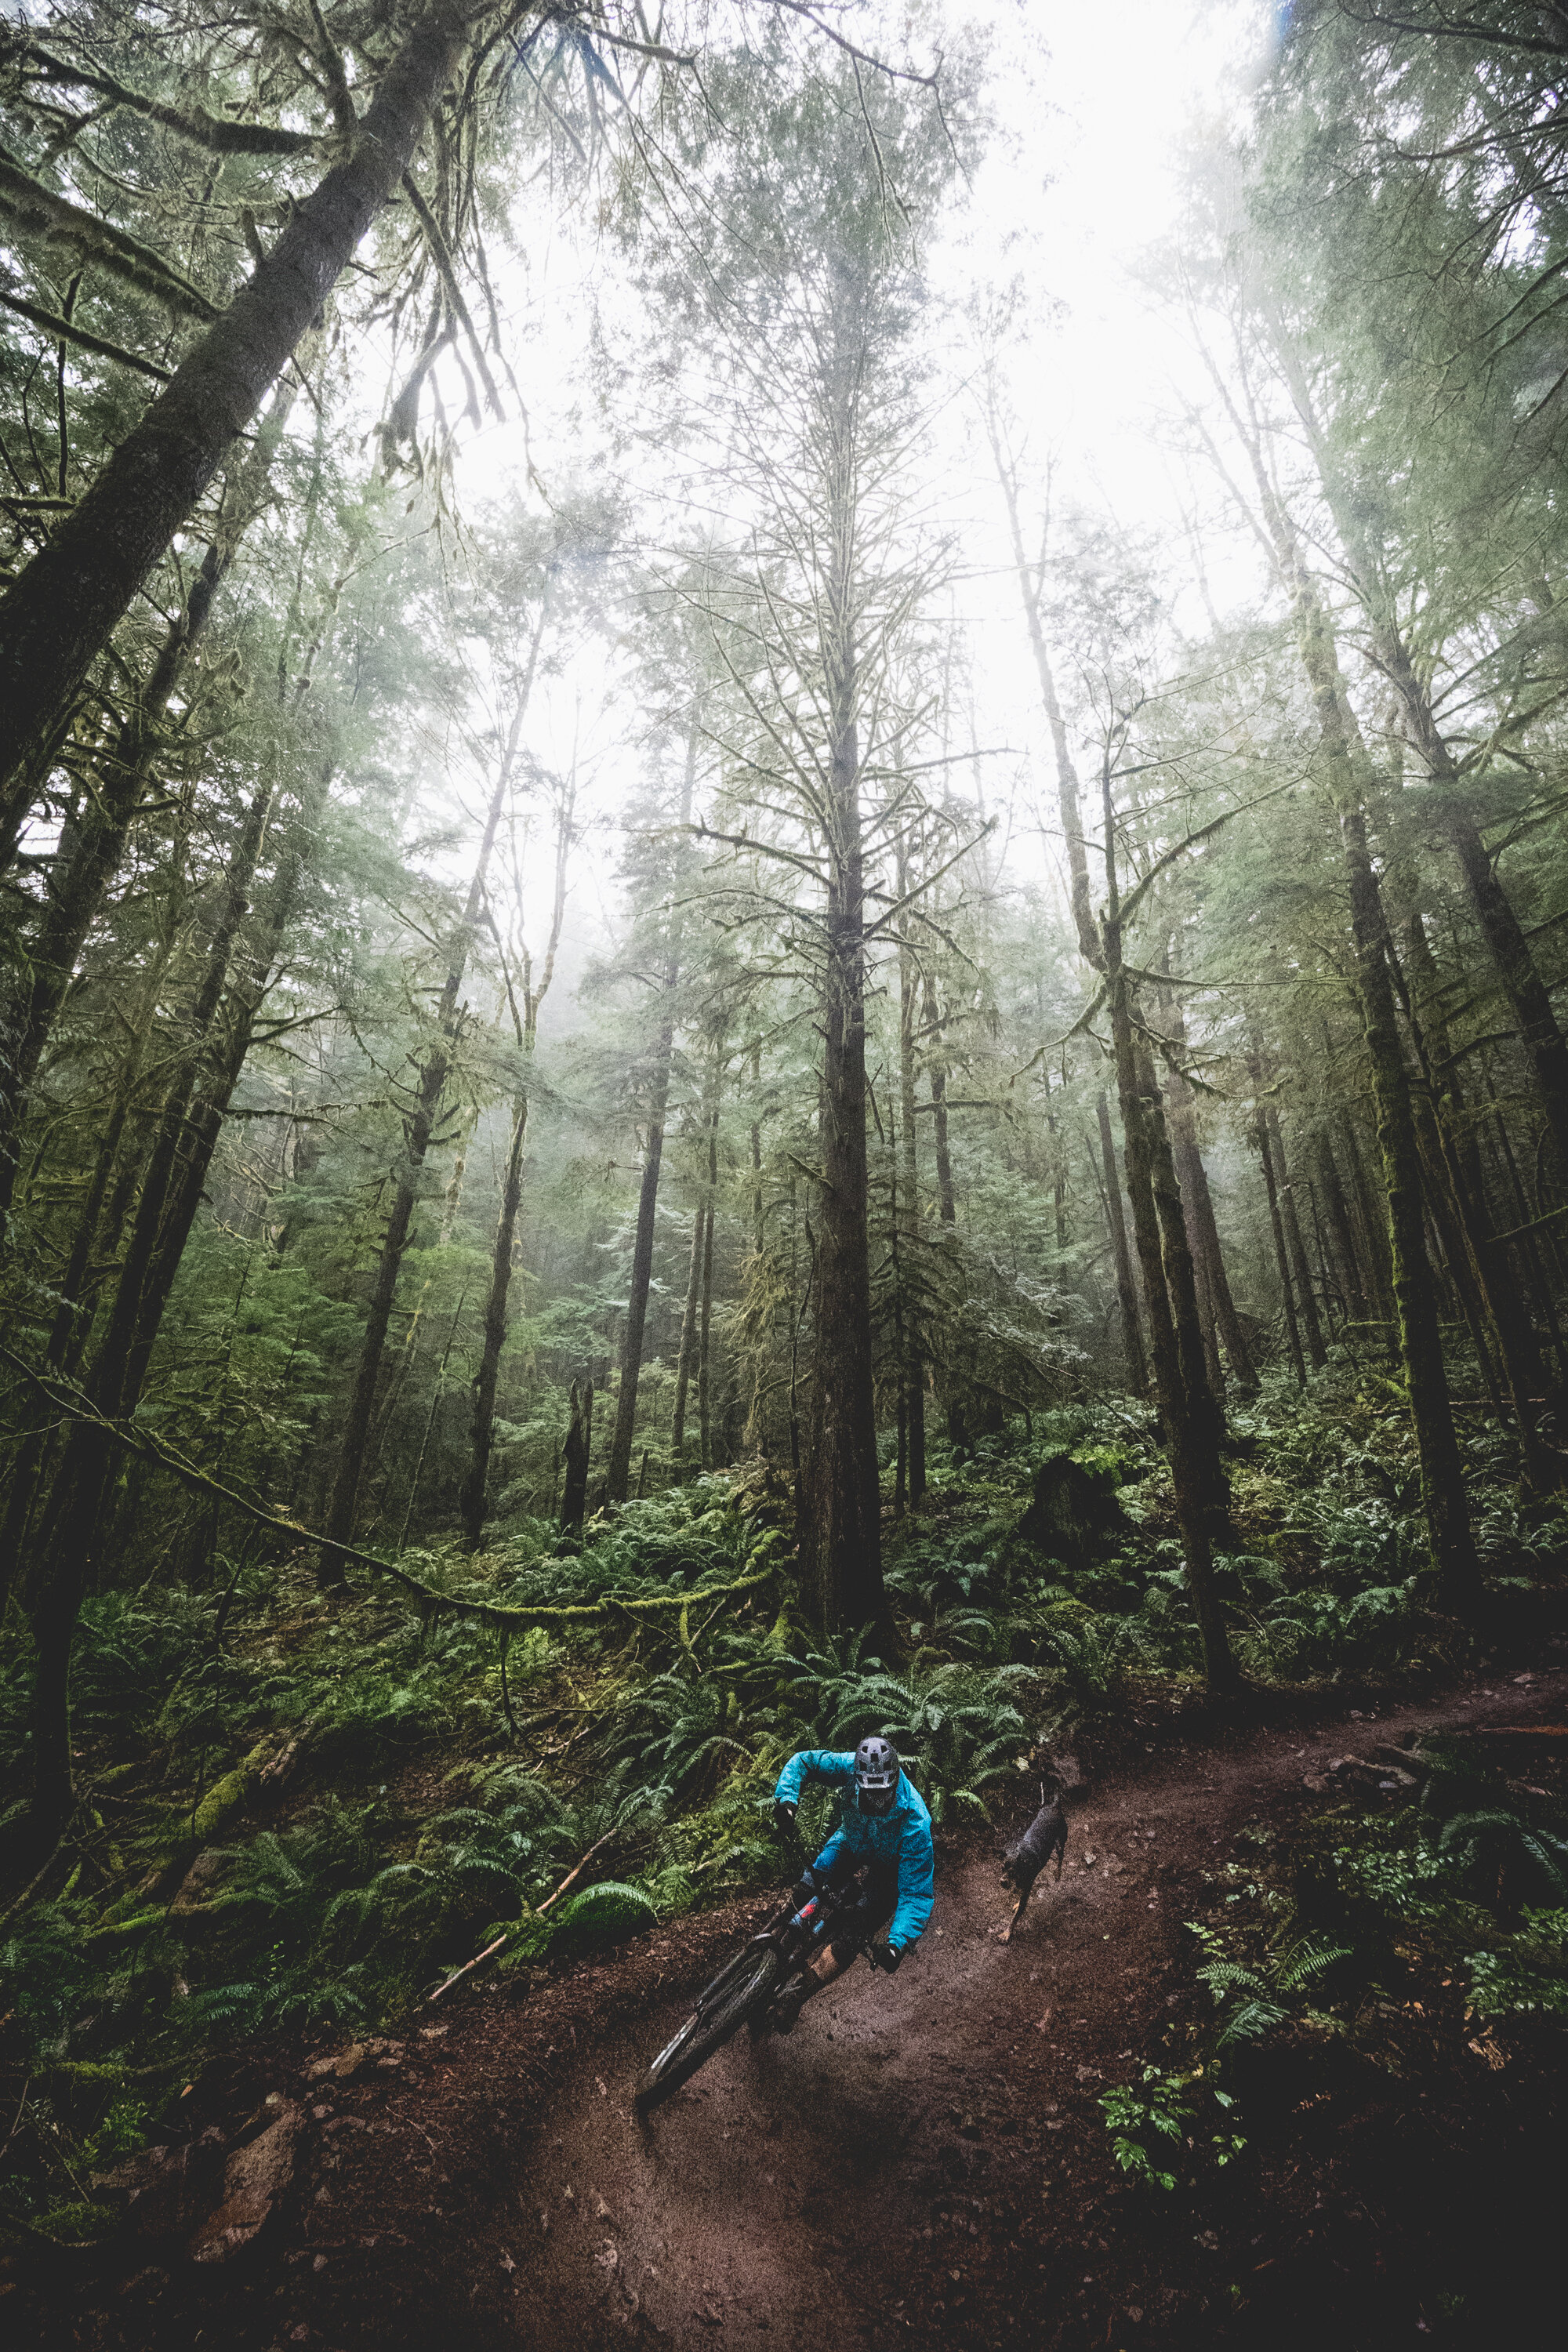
{"x": 1139, "y": 2119}
{"x": 1529, "y": 1975}
{"x": 1261, "y": 1998}
{"x": 1150, "y": 2120}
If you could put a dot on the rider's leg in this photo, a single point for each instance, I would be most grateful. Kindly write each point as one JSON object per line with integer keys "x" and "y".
{"x": 823, "y": 1968}
{"x": 819, "y": 1971}
{"x": 873, "y": 1911}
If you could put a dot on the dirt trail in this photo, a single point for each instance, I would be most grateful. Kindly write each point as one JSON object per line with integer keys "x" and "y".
{"x": 922, "y": 2162}
{"x": 876, "y": 2179}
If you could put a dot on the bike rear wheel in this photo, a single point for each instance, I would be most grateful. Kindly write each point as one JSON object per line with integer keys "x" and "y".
{"x": 751, "y": 1987}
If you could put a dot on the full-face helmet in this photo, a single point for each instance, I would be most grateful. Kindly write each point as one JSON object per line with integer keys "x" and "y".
{"x": 876, "y": 1775}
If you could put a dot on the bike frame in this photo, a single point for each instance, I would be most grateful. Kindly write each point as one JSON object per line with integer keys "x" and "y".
{"x": 797, "y": 1934}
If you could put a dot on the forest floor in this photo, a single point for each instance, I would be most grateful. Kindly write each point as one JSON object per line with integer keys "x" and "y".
{"x": 923, "y": 2161}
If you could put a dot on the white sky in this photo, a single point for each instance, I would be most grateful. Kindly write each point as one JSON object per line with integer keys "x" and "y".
{"x": 1092, "y": 103}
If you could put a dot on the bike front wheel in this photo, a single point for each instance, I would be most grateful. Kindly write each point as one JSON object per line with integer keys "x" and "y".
{"x": 751, "y": 1988}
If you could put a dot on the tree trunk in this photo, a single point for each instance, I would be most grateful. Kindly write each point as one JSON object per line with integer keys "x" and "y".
{"x": 946, "y": 1199}
{"x": 1192, "y": 1502}
{"x": 1504, "y": 934}
{"x": 67, "y": 1547}
{"x": 1202, "y": 1225}
{"x": 56, "y": 617}
{"x": 1205, "y": 1430}
{"x": 841, "y": 1554}
{"x": 688, "y": 1356}
{"x": 419, "y": 1126}
{"x": 1372, "y": 1226}
{"x": 705, "y": 1318}
{"x": 471, "y": 1502}
{"x": 1443, "y": 1494}
{"x": 579, "y": 1444}
{"x": 1207, "y": 1322}
{"x": 620, "y": 1470}
{"x": 1420, "y": 1338}
{"x": 912, "y": 1377}
{"x": 1126, "y": 1281}
{"x": 1307, "y": 1305}
{"x": 1261, "y": 1137}
{"x": 1523, "y": 1215}
{"x": 1497, "y": 1315}
{"x": 217, "y": 1076}
{"x": 70, "y": 1330}
{"x": 78, "y": 880}
{"x": 1068, "y": 795}
{"x": 1357, "y": 1299}
{"x": 108, "y": 1375}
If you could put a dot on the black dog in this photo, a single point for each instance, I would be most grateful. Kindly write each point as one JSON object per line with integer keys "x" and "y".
{"x": 1028, "y": 1857}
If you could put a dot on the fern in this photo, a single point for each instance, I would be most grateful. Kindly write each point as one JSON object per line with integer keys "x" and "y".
{"x": 1260, "y": 2000}
{"x": 1501, "y": 1848}
{"x": 1305, "y": 1960}
{"x": 955, "y": 1725}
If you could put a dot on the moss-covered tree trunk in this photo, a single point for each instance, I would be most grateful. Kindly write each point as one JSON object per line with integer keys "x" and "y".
{"x": 952, "y": 1383}
{"x": 56, "y": 616}
{"x": 1357, "y": 1299}
{"x": 687, "y": 1358}
{"x": 1204, "y": 1414}
{"x": 172, "y": 1189}
{"x": 1192, "y": 1498}
{"x": 705, "y": 1302}
{"x": 472, "y": 1500}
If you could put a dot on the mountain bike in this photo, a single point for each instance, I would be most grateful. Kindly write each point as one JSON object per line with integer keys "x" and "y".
{"x": 743, "y": 1991}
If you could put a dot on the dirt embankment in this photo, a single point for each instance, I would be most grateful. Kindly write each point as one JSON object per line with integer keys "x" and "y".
{"x": 922, "y": 2162}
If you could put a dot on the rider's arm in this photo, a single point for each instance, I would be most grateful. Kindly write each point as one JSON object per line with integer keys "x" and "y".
{"x": 916, "y": 1885}
{"x": 813, "y": 1764}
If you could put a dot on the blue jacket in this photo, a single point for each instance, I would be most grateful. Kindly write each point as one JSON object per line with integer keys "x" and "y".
{"x": 902, "y": 1836}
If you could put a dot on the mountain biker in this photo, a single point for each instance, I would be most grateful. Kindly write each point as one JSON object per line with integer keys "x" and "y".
{"x": 886, "y": 1827}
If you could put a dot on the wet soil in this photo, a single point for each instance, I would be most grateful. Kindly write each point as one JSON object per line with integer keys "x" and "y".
{"x": 922, "y": 2162}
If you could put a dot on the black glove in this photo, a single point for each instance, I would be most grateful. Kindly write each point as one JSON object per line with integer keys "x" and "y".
{"x": 783, "y": 1817}
{"x": 886, "y": 1956}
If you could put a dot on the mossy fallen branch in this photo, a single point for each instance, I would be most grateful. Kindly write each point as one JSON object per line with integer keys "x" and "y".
{"x": 506, "y": 1617}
